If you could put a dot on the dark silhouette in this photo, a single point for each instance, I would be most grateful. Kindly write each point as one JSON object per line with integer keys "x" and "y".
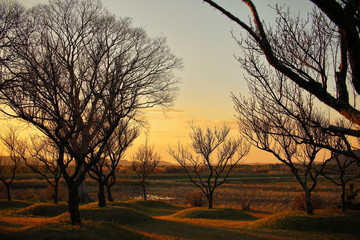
{"x": 104, "y": 171}
{"x": 9, "y": 164}
{"x": 206, "y": 171}
{"x": 144, "y": 162}
{"x": 77, "y": 71}
{"x": 313, "y": 53}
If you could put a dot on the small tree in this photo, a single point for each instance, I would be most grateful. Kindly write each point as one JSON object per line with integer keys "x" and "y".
{"x": 104, "y": 172}
{"x": 203, "y": 171}
{"x": 281, "y": 119}
{"x": 9, "y": 164}
{"x": 341, "y": 170}
{"x": 144, "y": 162}
{"x": 43, "y": 160}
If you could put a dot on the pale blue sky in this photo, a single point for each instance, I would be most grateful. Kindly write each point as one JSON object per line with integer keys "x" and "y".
{"x": 200, "y": 36}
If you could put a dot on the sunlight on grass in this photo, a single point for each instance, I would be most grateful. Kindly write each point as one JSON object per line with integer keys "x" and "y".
{"x": 150, "y": 207}
{"x": 218, "y": 213}
{"x": 320, "y": 221}
{"x": 132, "y": 220}
{"x": 44, "y": 209}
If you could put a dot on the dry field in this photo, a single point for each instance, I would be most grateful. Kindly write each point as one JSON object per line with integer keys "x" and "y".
{"x": 271, "y": 193}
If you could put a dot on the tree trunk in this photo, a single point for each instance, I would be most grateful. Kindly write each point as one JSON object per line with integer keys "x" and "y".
{"x": 101, "y": 194}
{"x": 109, "y": 193}
{"x": 210, "y": 201}
{"x": 56, "y": 192}
{"x": 144, "y": 190}
{"x": 8, "y": 192}
{"x": 343, "y": 200}
{"x": 308, "y": 204}
{"x": 73, "y": 205}
{"x": 82, "y": 194}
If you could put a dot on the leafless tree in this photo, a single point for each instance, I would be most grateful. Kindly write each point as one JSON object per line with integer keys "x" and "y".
{"x": 79, "y": 70}
{"x": 318, "y": 54}
{"x": 281, "y": 119}
{"x": 10, "y": 18}
{"x": 144, "y": 162}
{"x": 9, "y": 164}
{"x": 341, "y": 169}
{"x": 104, "y": 171}
{"x": 41, "y": 156}
{"x": 203, "y": 169}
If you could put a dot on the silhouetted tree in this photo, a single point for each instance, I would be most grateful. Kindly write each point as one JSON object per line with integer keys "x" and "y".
{"x": 341, "y": 169}
{"x": 104, "y": 171}
{"x": 205, "y": 170}
{"x": 10, "y": 18}
{"x": 318, "y": 53}
{"x": 78, "y": 71}
{"x": 281, "y": 119}
{"x": 144, "y": 162}
{"x": 9, "y": 164}
{"x": 42, "y": 156}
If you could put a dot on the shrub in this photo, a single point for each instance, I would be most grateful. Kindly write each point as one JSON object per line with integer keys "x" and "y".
{"x": 245, "y": 201}
{"x": 195, "y": 199}
{"x": 299, "y": 202}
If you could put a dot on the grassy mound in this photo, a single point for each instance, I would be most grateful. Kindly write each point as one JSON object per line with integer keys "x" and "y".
{"x": 157, "y": 204}
{"x": 218, "y": 213}
{"x": 13, "y": 204}
{"x": 150, "y": 207}
{"x": 320, "y": 221}
{"x": 120, "y": 215}
{"x": 44, "y": 209}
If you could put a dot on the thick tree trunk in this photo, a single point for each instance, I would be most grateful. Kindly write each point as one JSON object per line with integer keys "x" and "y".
{"x": 101, "y": 195}
{"x": 8, "y": 192}
{"x": 109, "y": 193}
{"x": 73, "y": 205}
{"x": 308, "y": 204}
{"x": 144, "y": 190}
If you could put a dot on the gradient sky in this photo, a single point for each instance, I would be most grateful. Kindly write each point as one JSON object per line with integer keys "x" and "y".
{"x": 200, "y": 36}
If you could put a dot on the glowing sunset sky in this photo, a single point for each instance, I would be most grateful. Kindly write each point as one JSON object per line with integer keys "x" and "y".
{"x": 200, "y": 36}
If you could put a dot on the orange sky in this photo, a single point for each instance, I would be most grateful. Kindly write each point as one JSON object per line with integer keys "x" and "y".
{"x": 201, "y": 37}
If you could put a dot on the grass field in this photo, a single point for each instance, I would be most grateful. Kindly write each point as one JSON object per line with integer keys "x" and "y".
{"x": 161, "y": 220}
{"x": 168, "y": 216}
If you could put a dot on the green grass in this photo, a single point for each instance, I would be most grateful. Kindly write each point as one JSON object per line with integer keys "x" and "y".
{"x": 149, "y": 207}
{"x": 320, "y": 221}
{"x": 218, "y": 213}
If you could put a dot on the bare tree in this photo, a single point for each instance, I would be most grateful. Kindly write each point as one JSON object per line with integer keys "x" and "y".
{"x": 78, "y": 71}
{"x": 144, "y": 162}
{"x": 279, "y": 118}
{"x": 317, "y": 54}
{"x": 42, "y": 156}
{"x": 341, "y": 169}
{"x": 104, "y": 171}
{"x": 9, "y": 164}
{"x": 10, "y": 18}
{"x": 205, "y": 171}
